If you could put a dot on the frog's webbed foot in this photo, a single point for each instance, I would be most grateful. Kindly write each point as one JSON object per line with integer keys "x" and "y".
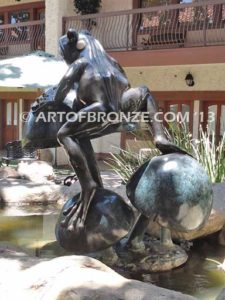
{"x": 76, "y": 214}
{"x": 166, "y": 147}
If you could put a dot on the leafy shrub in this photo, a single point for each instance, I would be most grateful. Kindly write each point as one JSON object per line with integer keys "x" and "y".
{"x": 209, "y": 153}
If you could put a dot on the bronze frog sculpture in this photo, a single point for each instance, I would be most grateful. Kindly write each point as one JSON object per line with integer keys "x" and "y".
{"x": 100, "y": 87}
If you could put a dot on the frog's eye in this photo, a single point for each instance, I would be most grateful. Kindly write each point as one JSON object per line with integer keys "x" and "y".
{"x": 81, "y": 44}
{"x": 72, "y": 35}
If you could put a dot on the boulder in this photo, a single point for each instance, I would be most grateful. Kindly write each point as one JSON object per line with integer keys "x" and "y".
{"x": 22, "y": 192}
{"x": 36, "y": 171}
{"x": 8, "y": 172}
{"x": 47, "y": 155}
{"x": 219, "y": 197}
{"x": 214, "y": 224}
{"x": 70, "y": 278}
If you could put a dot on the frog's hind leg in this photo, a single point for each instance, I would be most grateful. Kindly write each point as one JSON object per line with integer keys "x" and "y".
{"x": 74, "y": 137}
{"x": 140, "y": 99}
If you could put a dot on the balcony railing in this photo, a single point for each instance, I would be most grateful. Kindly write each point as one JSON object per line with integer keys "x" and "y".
{"x": 171, "y": 26}
{"x": 21, "y": 38}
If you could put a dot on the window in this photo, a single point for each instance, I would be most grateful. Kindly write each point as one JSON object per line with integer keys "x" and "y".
{"x": 22, "y": 13}
{"x": 182, "y": 112}
{"x": 15, "y": 117}
{"x": 19, "y": 16}
{"x": 19, "y": 32}
{"x": 41, "y": 14}
{"x": 214, "y": 117}
{"x": 9, "y": 113}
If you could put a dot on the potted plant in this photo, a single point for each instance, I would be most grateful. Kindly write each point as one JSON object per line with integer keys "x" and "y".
{"x": 86, "y": 7}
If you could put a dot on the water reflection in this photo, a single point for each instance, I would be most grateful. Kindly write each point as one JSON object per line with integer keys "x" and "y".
{"x": 32, "y": 229}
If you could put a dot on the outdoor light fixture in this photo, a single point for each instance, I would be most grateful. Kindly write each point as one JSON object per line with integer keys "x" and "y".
{"x": 189, "y": 79}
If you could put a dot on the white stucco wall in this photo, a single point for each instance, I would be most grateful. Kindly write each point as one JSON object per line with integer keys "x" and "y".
{"x": 55, "y": 10}
{"x": 109, "y": 5}
{"x": 207, "y": 77}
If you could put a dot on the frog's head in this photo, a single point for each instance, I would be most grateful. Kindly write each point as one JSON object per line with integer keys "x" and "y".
{"x": 71, "y": 45}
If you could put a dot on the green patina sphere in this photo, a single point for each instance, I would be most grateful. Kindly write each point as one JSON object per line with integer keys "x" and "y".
{"x": 175, "y": 188}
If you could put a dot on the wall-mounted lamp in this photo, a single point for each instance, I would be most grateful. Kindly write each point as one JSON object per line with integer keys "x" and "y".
{"x": 189, "y": 79}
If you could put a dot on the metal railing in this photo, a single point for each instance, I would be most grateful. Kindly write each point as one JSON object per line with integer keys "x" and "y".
{"x": 171, "y": 26}
{"x": 21, "y": 38}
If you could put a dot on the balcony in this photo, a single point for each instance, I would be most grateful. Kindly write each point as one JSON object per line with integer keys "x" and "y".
{"x": 21, "y": 38}
{"x": 163, "y": 27}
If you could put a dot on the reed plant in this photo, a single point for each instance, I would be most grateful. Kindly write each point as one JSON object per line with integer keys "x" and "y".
{"x": 207, "y": 149}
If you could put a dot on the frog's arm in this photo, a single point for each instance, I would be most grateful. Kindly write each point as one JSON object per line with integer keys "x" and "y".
{"x": 72, "y": 76}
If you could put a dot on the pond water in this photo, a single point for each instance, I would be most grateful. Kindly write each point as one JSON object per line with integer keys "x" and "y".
{"x": 33, "y": 230}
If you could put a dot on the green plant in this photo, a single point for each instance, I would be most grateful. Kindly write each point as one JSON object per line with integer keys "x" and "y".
{"x": 86, "y": 7}
{"x": 126, "y": 162}
{"x": 209, "y": 153}
{"x": 179, "y": 134}
{"x": 220, "y": 265}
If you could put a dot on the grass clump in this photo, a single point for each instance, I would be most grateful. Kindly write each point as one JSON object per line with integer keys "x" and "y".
{"x": 209, "y": 152}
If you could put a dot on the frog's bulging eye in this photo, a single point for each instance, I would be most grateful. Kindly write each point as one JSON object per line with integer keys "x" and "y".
{"x": 72, "y": 35}
{"x": 81, "y": 44}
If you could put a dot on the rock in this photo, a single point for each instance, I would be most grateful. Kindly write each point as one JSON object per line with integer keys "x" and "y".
{"x": 8, "y": 172}
{"x": 155, "y": 257}
{"x": 219, "y": 197}
{"x": 221, "y": 295}
{"x": 36, "y": 171}
{"x": 22, "y": 192}
{"x": 214, "y": 224}
{"x": 70, "y": 278}
{"x": 47, "y": 155}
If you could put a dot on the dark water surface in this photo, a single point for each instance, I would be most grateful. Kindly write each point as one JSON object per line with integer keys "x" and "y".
{"x": 32, "y": 229}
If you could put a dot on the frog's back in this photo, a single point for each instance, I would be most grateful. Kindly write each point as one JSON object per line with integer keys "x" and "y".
{"x": 109, "y": 80}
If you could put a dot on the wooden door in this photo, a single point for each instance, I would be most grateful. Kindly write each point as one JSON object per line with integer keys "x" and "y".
{"x": 10, "y": 121}
{"x": 214, "y": 117}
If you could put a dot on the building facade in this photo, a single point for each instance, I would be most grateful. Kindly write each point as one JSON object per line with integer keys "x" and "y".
{"x": 159, "y": 43}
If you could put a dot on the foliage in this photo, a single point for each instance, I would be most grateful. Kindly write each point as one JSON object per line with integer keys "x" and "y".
{"x": 86, "y": 7}
{"x": 127, "y": 161}
{"x": 220, "y": 266}
{"x": 209, "y": 153}
{"x": 206, "y": 150}
{"x": 179, "y": 134}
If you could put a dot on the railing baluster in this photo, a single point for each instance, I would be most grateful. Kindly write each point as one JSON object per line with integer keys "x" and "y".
{"x": 128, "y": 21}
{"x": 169, "y": 26}
{"x": 204, "y": 25}
{"x": 21, "y": 38}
